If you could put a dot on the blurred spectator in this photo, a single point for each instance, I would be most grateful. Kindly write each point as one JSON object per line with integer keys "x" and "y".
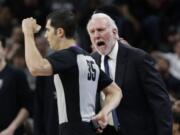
{"x": 171, "y": 37}
{"x": 14, "y": 42}
{"x": 6, "y": 21}
{"x": 15, "y": 97}
{"x": 42, "y": 45}
{"x": 171, "y": 15}
{"x": 26, "y": 8}
{"x": 174, "y": 59}
{"x": 57, "y": 4}
{"x": 173, "y": 74}
{"x": 176, "y": 114}
{"x": 18, "y": 59}
{"x": 145, "y": 17}
{"x": 162, "y": 65}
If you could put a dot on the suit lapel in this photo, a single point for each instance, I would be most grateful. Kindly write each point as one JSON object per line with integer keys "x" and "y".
{"x": 121, "y": 64}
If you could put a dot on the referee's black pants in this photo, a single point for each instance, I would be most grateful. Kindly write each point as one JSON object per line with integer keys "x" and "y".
{"x": 110, "y": 130}
{"x": 76, "y": 128}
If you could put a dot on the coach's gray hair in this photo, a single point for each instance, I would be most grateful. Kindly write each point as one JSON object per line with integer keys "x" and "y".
{"x": 110, "y": 21}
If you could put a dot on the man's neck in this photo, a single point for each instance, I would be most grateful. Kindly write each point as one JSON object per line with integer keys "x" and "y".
{"x": 67, "y": 43}
{"x": 2, "y": 64}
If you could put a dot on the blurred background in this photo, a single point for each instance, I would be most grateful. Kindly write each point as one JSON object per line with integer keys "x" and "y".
{"x": 152, "y": 25}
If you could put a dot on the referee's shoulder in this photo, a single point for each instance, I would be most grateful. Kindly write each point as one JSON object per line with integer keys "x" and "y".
{"x": 95, "y": 55}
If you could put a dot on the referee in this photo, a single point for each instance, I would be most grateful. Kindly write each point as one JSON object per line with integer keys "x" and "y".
{"x": 77, "y": 78}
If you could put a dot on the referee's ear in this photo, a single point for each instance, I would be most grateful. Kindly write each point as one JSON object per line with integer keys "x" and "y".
{"x": 60, "y": 32}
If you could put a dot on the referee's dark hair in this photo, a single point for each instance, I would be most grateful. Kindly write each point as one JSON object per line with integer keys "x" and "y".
{"x": 64, "y": 18}
{"x": 3, "y": 41}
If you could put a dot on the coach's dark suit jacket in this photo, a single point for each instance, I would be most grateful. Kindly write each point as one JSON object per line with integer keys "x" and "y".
{"x": 145, "y": 108}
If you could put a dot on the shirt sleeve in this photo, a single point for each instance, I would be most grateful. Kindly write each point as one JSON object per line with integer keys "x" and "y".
{"x": 104, "y": 81}
{"x": 61, "y": 61}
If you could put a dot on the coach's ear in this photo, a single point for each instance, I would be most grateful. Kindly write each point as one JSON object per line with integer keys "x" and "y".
{"x": 115, "y": 32}
{"x": 60, "y": 32}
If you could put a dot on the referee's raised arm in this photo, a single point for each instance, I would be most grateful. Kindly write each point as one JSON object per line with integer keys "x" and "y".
{"x": 36, "y": 64}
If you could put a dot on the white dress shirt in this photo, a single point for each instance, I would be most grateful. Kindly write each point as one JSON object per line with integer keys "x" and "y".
{"x": 112, "y": 69}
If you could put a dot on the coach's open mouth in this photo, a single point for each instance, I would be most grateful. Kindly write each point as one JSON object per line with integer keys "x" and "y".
{"x": 100, "y": 43}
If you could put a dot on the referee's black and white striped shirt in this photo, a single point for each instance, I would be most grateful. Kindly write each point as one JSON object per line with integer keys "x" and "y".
{"x": 77, "y": 78}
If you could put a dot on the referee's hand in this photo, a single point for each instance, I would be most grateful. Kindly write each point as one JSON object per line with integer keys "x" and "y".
{"x": 30, "y": 26}
{"x": 102, "y": 120}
